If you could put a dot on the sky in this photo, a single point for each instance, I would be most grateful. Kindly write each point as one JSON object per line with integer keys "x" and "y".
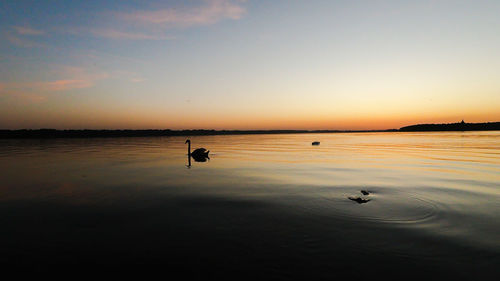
{"x": 233, "y": 64}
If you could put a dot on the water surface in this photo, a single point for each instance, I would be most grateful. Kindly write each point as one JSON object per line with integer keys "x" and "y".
{"x": 263, "y": 206}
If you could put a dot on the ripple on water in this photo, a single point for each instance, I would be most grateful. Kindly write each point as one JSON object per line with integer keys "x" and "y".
{"x": 386, "y": 205}
{"x": 456, "y": 215}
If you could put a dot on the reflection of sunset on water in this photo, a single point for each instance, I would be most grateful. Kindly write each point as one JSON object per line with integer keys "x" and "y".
{"x": 434, "y": 191}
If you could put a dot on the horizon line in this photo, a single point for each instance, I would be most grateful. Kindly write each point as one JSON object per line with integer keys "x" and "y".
{"x": 243, "y": 130}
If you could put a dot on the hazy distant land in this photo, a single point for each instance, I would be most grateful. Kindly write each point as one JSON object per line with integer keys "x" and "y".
{"x": 53, "y": 133}
{"x": 461, "y": 126}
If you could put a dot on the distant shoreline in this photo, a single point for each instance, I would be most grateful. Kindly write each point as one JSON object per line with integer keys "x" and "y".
{"x": 53, "y": 133}
{"x": 461, "y": 126}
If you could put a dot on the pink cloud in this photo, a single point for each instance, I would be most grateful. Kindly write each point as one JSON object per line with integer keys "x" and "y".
{"x": 31, "y": 97}
{"x": 22, "y": 42}
{"x": 61, "y": 85}
{"x": 78, "y": 76}
{"x": 17, "y": 36}
{"x": 21, "y": 30}
{"x": 69, "y": 78}
{"x": 111, "y": 33}
{"x": 148, "y": 24}
{"x": 137, "y": 80}
{"x": 116, "y": 34}
{"x": 211, "y": 12}
{"x": 23, "y": 95}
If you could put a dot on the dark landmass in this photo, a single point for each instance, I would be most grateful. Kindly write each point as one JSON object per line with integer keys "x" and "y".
{"x": 53, "y": 133}
{"x": 462, "y": 126}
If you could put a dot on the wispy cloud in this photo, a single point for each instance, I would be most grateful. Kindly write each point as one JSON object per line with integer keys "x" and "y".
{"x": 111, "y": 33}
{"x": 210, "y": 12}
{"x": 61, "y": 85}
{"x": 117, "y": 34}
{"x": 67, "y": 78}
{"x": 137, "y": 80}
{"x": 17, "y": 36}
{"x": 23, "y": 30}
{"x": 21, "y": 42}
{"x": 152, "y": 24}
{"x": 13, "y": 91}
{"x": 72, "y": 78}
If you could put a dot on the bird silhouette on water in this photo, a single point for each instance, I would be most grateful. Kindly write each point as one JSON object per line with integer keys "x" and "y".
{"x": 199, "y": 154}
{"x": 360, "y": 200}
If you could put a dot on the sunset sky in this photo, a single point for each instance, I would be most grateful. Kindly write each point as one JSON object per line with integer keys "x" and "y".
{"x": 221, "y": 64}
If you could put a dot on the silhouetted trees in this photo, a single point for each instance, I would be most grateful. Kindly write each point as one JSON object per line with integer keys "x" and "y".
{"x": 53, "y": 133}
{"x": 461, "y": 126}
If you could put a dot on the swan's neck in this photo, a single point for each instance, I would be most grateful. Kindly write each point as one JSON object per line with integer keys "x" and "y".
{"x": 189, "y": 148}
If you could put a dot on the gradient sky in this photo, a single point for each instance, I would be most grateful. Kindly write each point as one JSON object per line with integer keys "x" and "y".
{"x": 218, "y": 64}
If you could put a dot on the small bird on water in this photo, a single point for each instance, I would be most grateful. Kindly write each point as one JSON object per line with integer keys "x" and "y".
{"x": 359, "y": 200}
{"x": 197, "y": 153}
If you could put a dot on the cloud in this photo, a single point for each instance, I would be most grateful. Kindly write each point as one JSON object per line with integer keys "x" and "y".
{"x": 116, "y": 34}
{"x": 68, "y": 78}
{"x": 111, "y": 33}
{"x": 211, "y": 12}
{"x": 137, "y": 80}
{"x": 11, "y": 91}
{"x": 61, "y": 85}
{"x": 31, "y": 97}
{"x": 22, "y": 30}
{"x": 72, "y": 77}
{"x": 129, "y": 76}
{"x": 150, "y": 24}
{"x": 16, "y": 36}
{"x": 21, "y": 42}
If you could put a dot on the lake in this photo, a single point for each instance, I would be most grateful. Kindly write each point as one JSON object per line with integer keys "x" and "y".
{"x": 263, "y": 206}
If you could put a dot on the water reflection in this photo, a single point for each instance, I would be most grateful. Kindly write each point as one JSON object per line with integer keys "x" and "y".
{"x": 272, "y": 203}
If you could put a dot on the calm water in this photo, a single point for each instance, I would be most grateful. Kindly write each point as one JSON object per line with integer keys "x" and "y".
{"x": 266, "y": 206}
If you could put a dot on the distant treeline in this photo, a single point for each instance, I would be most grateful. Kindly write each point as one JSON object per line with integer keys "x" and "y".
{"x": 53, "y": 133}
{"x": 462, "y": 126}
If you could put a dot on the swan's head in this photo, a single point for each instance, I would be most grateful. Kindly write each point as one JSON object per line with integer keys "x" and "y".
{"x": 187, "y": 141}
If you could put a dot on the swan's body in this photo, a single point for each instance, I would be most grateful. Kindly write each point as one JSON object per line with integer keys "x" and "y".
{"x": 197, "y": 153}
{"x": 200, "y": 152}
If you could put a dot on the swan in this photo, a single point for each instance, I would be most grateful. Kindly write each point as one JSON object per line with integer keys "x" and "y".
{"x": 197, "y": 153}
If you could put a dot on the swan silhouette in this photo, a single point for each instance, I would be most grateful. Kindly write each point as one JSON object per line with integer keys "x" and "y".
{"x": 199, "y": 154}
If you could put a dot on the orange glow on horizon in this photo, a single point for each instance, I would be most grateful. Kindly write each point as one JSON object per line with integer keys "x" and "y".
{"x": 143, "y": 120}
